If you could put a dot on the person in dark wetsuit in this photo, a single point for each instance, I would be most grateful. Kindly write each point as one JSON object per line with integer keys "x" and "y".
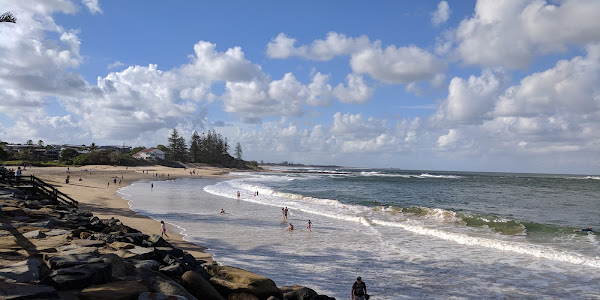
{"x": 582, "y": 230}
{"x": 359, "y": 290}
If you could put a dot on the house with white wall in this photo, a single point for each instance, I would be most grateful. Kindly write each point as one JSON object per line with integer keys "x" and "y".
{"x": 151, "y": 153}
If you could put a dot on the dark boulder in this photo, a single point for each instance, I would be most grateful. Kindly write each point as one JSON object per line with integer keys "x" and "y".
{"x": 79, "y": 277}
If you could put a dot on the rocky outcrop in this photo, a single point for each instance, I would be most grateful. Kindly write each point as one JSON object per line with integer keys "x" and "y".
{"x": 199, "y": 287}
{"x": 229, "y": 280}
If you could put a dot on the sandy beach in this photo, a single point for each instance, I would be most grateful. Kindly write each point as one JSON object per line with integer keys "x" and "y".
{"x": 96, "y": 192}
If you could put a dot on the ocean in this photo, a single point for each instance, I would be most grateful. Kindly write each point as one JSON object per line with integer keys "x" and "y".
{"x": 408, "y": 234}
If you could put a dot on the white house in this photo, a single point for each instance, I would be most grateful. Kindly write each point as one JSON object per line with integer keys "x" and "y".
{"x": 151, "y": 153}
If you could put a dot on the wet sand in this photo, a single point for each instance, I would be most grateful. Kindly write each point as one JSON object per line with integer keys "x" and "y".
{"x": 97, "y": 192}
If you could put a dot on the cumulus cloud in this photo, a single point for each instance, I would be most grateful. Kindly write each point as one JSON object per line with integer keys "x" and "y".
{"x": 550, "y": 112}
{"x": 442, "y": 13}
{"x": 231, "y": 65}
{"x": 472, "y": 100}
{"x": 334, "y": 44}
{"x": 511, "y": 33}
{"x": 397, "y": 65}
{"x": 356, "y": 90}
{"x": 391, "y": 65}
{"x": 570, "y": 87}
{"x": 134, "y": 101}
{"x": 93, "y": 6}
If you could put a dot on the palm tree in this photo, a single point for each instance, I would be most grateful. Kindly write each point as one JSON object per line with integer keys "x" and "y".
{"x": 8, "y": 17}
{"x": 93, "y": 147}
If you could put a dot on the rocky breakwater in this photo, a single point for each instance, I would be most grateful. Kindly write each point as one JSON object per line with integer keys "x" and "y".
{"x": 51, "y": 251}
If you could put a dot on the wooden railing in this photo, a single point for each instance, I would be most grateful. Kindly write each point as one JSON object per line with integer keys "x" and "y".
{"x": 37, "y": 186}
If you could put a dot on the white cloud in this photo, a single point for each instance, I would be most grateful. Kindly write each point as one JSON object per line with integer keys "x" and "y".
{"x": 449, "y": 139}
{"x": 334, "y": 44}
{"x": 92, "y": 6}
{"x": 114, "y": 65}
{"x": 472, "y": 100}
{"x": 36, "y": 125}
{"x": 210, "y": 64}
{"x": 569, "y": 87}
{"x": 391, "y": 65}
{"x": 511, "y": 33}
{"x": 442, "y": 13}
{"x": 132, "y": 102}
{"x": 397, "y": 65}
{"x": 356, "y": 90}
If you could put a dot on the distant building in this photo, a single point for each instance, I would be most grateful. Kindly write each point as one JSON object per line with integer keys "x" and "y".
{"x": 122, "y": 149}
{"x": 52, "y": 154}
{"x": 151, "y": 153}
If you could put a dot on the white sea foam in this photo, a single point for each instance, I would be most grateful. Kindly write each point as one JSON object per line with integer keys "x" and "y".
{"x": 399, "y": 254}
{"x": 502, "y": 245}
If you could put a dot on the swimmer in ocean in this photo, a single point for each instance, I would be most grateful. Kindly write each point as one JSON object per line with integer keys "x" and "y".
{"x": 583, "y": 230}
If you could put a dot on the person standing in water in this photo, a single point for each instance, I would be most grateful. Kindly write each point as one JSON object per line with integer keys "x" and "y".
{"x": 291, "y": 227}
{"x": 359, "y": 290}
{"x": 163, "y": 229}
{"x": 309, "y": 226}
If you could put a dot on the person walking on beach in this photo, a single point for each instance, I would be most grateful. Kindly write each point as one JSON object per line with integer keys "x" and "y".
{"x": 359, "y": 290}
{"x": 163, "y": 229}
{"x": 152, "y": 186}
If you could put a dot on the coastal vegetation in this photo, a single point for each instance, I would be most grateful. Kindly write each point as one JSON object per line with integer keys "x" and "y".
{"x": 209, "y": 148}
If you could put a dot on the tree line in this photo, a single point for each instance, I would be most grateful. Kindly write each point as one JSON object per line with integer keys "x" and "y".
{"x": 208, "y": 148}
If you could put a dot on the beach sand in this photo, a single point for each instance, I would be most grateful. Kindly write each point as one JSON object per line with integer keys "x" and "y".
{"x": 97, "y": 193}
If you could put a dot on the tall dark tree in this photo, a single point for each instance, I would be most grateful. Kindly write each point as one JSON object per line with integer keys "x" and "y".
{"x": 177, "y": 147}
{"x": 41, "y": 143}
{"x": 195, "y": 150}
{"x": 238, "y": 151}
{"x": 93, "y": 147}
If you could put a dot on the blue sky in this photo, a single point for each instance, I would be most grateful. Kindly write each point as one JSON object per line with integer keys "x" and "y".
{"x": 439, "y": 85}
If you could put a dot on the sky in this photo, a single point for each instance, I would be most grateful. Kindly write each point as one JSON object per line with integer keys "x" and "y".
{"x": 506, "y": 86}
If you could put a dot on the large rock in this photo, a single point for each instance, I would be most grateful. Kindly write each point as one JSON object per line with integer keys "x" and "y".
{"x": 159, "y": 296}
{"x": 199, "y": 287}
{"x": 163, "y": 284}
{"x": 117, "y": 290}
{"x": 14, "y": 291}
{"x": 35, "y": 234}
{"x": 79, "y": 277}
{"x": 156, "y": 241}
{"x": 242, "y": 296}
{"x": 25, "y": 271}
{"x": 173, "y": 271}
{"x": 121, "y": 245}
{"x": 145, "y": 265}
{"x": 141, "y": 253}
{"x": 229, "y": 280}
{"x": 298, "y": 293}
{"x": 71, "y": 260}
{"x": 119, "y": 267}
{"x": 89, "y": 243}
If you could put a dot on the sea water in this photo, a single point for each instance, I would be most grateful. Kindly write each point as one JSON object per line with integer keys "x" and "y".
{"x": 409, "y": 234}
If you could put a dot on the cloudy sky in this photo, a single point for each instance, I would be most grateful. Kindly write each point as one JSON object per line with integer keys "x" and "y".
{"x": 438, "y": 85}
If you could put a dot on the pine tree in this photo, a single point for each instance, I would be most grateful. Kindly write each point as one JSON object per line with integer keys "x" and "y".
{"x": 177, "y": 147}
{"x": 238, "y": 151}
{"x": 195, "y": 150}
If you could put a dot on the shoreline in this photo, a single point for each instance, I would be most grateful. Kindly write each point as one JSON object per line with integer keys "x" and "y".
{"x": 98, "y": 193}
